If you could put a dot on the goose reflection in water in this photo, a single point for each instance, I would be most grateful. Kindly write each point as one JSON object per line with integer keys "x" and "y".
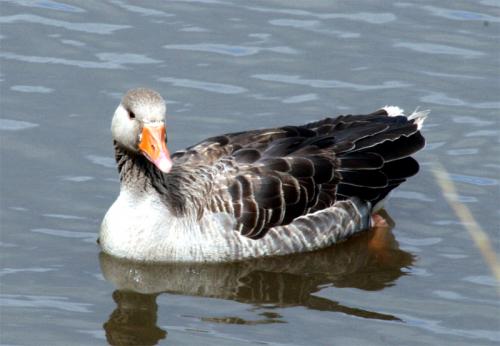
{"x": 370, "y": 261}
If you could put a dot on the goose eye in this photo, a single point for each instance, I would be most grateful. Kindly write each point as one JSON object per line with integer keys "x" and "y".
{"x": 131, "y": 115}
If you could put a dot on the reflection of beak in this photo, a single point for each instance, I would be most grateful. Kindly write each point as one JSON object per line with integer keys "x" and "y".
{"x": 153, "y": 146}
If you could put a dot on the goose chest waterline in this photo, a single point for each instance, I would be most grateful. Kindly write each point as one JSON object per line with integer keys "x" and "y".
{"x": 141, "y": 227}
{"x": 251, "y": 194}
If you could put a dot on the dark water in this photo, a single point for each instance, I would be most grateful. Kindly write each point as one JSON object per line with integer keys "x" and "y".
{"x": 227, "y": 66}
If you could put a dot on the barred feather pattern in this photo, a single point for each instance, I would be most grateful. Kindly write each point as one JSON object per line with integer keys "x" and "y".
{"x": 268, "y": 178}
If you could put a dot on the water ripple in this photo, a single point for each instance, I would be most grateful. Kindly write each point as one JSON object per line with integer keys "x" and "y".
{"x": 31, "y": 89}
{"x": 434, "y": 145}
{"x": 482, "y": 280}
{"x": 433, "y": 48}
{"x": 264, "y": 97}
{"x": 203, "y": 1}
{"x": 15, "y": 125}
{"x": 104, "y": 161}
{"x": 126, "y": 58}
{"x": 201, "y": 85}
{"x": 65, "y": 216}
{"x": 453, "y": 256}
{"x": 452, "y": 295}
{"x": 318, "y": 83}
{"x": 313, "y": 26}
{"x": 93, "y": 28}
{"x": 141, "y": 10}
{"x": 417, "y": 196}
{"x": 8, "y": 245}
{"x": 42, "y": 302}
{"x": 194, "y": 29}
{"x": 473, "y": 180}
{"x": 74, "y": 43}
{"x": 443, "y": 99}
{"x": 88, "y": 237}
{"x": 231, "y": 50}
{"x": 8, "y": 271}
{"x": 460, "y": 14}
{"x": 461, "y": 152}
{"x": 484, "y": 133}
{"x": 77, "y": 179}
{"x": 463, "y": 199}
{"x": 434, "y": 326}
{"x": 450, "y": 75}
{"x": 367, "y": 17}
{"x": 48, "y": 4}
{"x": 464, "y": 119}
{"x": 300, "y": 98}
{"x": 420, "y": 241}
{"x": 110, "y": 60}
{"x": 492, "y": 165}
{"x": 494, "y": 3}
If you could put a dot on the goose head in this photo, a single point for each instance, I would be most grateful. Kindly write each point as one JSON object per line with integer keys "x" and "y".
{"x": 138, "y": 126}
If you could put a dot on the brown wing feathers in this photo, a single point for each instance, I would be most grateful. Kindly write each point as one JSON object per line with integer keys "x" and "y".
{"x": 280, "y": 174}
{"x": 380, "y": 162}
{"x": 275, "y": 191}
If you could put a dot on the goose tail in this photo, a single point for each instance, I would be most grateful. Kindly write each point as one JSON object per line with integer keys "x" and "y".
{"x": 381, "y": 160}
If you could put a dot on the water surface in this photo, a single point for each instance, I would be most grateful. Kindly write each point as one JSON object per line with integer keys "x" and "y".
{"x": 228, "y": 66}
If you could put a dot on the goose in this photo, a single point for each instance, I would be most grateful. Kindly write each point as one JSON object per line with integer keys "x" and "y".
{"x": 251, "y": 194}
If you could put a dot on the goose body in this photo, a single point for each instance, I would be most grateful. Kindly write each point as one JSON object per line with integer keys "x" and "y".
{"x": 251, "y": 194}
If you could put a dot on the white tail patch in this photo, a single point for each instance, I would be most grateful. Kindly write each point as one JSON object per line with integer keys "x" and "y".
{"x": 418, "y": 117}
{"x": 393, "y": 111}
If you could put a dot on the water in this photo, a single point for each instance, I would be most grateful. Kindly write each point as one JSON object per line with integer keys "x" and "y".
{"x": 229, "y": 66}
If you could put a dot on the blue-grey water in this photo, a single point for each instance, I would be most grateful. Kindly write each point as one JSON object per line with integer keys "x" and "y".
{"x": 227, "y": 65}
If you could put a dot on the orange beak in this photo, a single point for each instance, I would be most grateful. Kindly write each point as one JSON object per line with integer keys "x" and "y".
{"x": 153, "y": 146}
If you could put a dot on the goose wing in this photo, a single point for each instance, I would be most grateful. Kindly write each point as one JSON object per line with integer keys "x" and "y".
{"x": 268, "y": 178}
